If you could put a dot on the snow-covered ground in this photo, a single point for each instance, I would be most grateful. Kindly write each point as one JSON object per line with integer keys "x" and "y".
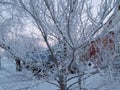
{"x": 10, "y": 79}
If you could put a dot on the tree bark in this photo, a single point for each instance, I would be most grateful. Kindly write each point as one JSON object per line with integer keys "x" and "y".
{"x": 62, "y": 83}
{"x": 18, "y": 65}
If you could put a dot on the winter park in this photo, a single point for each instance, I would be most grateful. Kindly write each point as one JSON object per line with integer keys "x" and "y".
{"x": 59, "y": 44}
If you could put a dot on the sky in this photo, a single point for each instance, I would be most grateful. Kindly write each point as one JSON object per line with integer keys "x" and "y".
{"x": 95, "y": 3}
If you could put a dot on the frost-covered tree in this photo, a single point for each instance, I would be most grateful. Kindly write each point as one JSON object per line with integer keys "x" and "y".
{"x": 69, "y": 24}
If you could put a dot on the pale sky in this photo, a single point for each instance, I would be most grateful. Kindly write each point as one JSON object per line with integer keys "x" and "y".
{"x": 95, "y": 4}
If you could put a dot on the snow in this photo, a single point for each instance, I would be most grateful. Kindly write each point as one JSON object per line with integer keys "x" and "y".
{"x": 10, "y": 79}
{"x": 1, "y": 88}
{"x": 96, "y": 81}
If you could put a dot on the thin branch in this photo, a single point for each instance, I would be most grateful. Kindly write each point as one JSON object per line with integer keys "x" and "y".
{"x": 53, "y": 84}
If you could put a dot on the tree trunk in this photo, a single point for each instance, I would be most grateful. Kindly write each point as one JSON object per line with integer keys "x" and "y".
{"x": 79, "y": 82}
{"x": 18, "y": 65}
{"x": 62, "y": 83}
{"x": 62, "y": 87}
